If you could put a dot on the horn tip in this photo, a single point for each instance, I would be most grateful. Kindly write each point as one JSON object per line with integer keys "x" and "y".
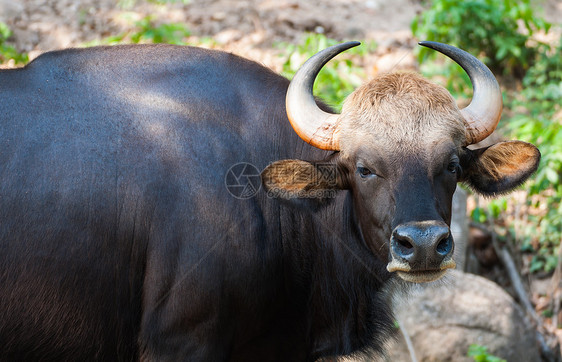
{"x": 430, "y": 44}
{"x": 351, "y": 44}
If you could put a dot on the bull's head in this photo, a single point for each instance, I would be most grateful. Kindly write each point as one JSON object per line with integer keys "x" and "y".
{"x": 402, "y": 145}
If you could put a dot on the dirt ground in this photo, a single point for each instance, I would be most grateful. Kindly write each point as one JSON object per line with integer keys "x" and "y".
{"x": 250, "y": 28}
{"x": 247, "y": 27}
{"x": 53, "y": 24}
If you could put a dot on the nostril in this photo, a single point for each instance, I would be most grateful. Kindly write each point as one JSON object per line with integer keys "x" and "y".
{"x": 445, "y": 245}
{"x": 404, "y": 246}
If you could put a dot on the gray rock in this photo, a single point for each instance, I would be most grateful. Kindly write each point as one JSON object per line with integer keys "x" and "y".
{"x": 444, "y": 318}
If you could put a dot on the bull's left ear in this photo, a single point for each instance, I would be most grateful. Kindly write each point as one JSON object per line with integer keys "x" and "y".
{"x": 499, "y": 168}
{"x": 296, "y": 178}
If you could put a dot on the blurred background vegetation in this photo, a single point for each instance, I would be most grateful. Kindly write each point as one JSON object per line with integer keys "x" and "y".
{"x": 508, "y": 35}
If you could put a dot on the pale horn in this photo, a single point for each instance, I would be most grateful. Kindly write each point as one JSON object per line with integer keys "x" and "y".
{"x": 484, "y": 111}
{"x": 313, "y": 125}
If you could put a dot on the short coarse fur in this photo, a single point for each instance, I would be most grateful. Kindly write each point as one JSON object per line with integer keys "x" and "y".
{"x": 402, "y": 108}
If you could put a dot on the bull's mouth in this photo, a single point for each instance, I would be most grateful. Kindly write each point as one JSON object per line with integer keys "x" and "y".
{"x": 405, "y": 272}
{"x": 421, "y": 276}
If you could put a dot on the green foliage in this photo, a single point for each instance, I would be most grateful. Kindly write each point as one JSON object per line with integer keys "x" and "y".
{"x": 487, "y": 27}
{"x": 480, "y": 354}
{"x": 8, "y": 52}
{"x": 495, "y": 208}
{"x": 338, "y": 78}
{"x": 453, "y": 76}
{"x": 543, "y": 260}
{"x": 478, "y": 215}
{"x": 538, "y": 119}
{"x": 147, "y": 31}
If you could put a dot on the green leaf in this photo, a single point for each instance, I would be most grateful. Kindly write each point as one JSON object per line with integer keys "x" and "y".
{"x": 551, "y": 175}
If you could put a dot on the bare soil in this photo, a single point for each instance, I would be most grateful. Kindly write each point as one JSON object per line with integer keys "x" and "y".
{"x": 247, "y": 27}
{"x": 251, "y": 28}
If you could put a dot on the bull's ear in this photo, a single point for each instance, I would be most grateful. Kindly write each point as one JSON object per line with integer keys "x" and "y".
{"x": 499, "y": 168}
{"x": 296, "y": 178}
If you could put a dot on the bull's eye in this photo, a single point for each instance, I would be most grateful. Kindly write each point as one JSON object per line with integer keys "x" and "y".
{"x": 453, "y": 167}
{"x": 364, "y": 172}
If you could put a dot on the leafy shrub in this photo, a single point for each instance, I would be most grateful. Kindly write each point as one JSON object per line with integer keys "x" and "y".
{"x": 338, "y": 78}
{"x": 8, "y": 52}
{"x": 172, "y": 33}
{"x": 488, "y": 27}
{"x": 480, "y": 354}
{"x": 538, "y": 119}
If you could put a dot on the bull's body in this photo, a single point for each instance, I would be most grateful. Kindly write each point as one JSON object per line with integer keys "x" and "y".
{"x": 119, "y": 239}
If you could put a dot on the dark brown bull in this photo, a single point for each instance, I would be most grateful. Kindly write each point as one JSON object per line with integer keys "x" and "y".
{"x": 120, "y": 241}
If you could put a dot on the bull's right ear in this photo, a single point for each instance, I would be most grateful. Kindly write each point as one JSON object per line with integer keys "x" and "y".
{"x": 296, "y": 178}
{"x": 499, "y": 168}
